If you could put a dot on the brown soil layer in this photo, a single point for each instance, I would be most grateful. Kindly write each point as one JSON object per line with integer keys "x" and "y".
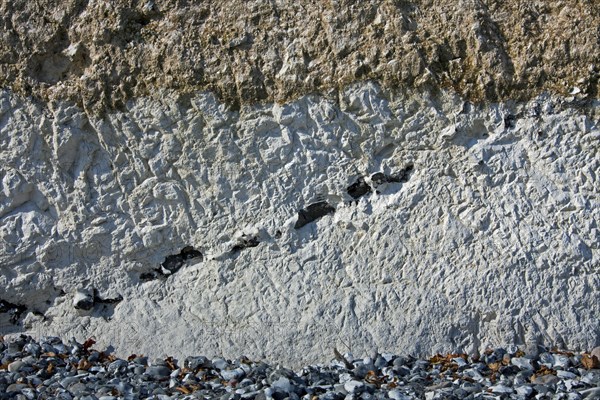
{"x": 100, "y": 54}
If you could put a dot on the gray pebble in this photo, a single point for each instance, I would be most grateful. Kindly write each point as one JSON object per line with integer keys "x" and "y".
{"x": 380, "y": 362}
{"x": 561, "y": 361}
{"x": 544, "y": 379}
{"x": 220, "y": 363}
{"x": 79, "y": 389}
{"x": 68, "y": 381}
{"x": 354, "y": 386}
{"x": 33, "y": 348}
{"x": 522, "y": 362}
{"x": 399, "y": 362}
{"x": 283, "y": 384}
{"x": 460, "y": 393}
{"x": 524, "y": 391}
{"x": 473, "y": 374}
{"x": 459, "y": 361}
{"x": 229, "y": 374}
{"x": 15, "y": 387}
{"x": 117, "y": 366}
{"x": 159, "y": 371}
{"x": 15, "y": 366}
{"x": 501, "y": 389}
{"x": 565, "y": 374}
{"x": 27, "y": 375}
{"x": 193, "y": 363}
{"x": 546, "y": 359}
{"x": 593, "y": 393}
{"x": 29, "y": 393}
{"x": 471, "y": 387}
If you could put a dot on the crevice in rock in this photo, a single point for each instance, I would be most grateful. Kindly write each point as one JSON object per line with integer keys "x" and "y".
{"x": 147, "y": 276}
{"x": 174, "y": 262}
{"x": 312, "y": 213}
{"x": 85, "y": 300}
{"x": 361, "y": 187}
{"x": 510, "y": 121}
{"x": 98, "y": 299}
{"x": 14, "y": 311}
{"x": 402, "y": 176}
{"x": 245, "y": 242}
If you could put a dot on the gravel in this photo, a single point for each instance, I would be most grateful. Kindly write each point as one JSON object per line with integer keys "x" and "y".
{"x": 52, "y": 369}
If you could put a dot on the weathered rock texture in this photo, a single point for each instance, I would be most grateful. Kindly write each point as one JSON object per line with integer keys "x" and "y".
{"x": 395, "y": 213}
{"x": 491, "y": 238}
{"x": 103, "y": 53}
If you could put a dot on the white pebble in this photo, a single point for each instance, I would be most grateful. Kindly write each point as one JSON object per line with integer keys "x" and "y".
{"x": 353, "y": 386}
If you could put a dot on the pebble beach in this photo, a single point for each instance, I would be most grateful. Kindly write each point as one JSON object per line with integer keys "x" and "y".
{"x": 54, "y": 369}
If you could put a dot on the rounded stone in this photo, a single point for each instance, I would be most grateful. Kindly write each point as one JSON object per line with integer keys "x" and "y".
{"x": 229, "y": 374}
{"x": 158, "y": 371}
{"x": 353, "y": 386}
{"x": 565, "y": 374}
{"x": 561, "y": 361}
{"x": 522, "y": 363}
{"x": 501, "y": 389}
{"x": 15, "y": 366}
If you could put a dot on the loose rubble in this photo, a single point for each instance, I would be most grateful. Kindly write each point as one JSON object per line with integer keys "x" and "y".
{"x": 52, "y": 369}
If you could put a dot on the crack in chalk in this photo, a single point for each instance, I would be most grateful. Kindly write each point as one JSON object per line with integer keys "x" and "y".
{"x": 14, "y": 311}
{"x": 244, "y": 242}
{"x": 86, "y": 301}
{"x": 98, "y": 299}
{"x": 174, "y": 262}
{"x": 361, "y": 187}
{"x": 312, "y": 213}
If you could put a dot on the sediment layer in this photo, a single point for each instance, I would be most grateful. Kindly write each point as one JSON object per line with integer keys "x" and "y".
{"x": 102, "y": 54}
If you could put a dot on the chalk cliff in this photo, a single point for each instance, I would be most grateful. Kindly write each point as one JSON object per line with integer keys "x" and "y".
{"x": 277, "y": 179}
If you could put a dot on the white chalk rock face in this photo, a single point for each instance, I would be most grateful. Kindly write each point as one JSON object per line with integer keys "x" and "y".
{"x": 409, "y": 223}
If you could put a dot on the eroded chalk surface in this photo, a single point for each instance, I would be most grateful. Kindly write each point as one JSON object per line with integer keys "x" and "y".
{"x": 403, "y": 222}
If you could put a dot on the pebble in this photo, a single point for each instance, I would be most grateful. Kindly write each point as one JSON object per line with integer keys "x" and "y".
{"x": 283, "y": 384}
{"x": 501, "y": 389}
{"x": 522, "y": 362}
{"x": 15, "y": 366}
{"x": 195, "y": 363}
{"x": 524, "y": 391}
{"x": 87, "y": 374}
{"x": 229, "y": 374}
{"x": 544, "y": 379}
{"x": 565, "y": 374}
{"x": 561, "y": 361}
{"x": 220, "y": 364}
{"x": 353, "y": 386}
{"x": 158, "y": 371}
